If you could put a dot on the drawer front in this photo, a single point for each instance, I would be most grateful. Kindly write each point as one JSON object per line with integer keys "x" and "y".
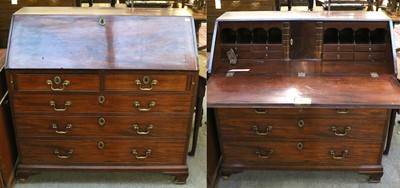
{"x": 338, "y": 56}
{"x": 236, "y": 47}
{"x": 369, "y": 56}
{"x": 302, "y": 153}
{"x": 286, "y": 128}
{"x": 59, "y": 82}
{"x": 267, "y": 55}
{"x": 370, "y": 47}
{"x": 267, "y": 47}
{"x": 338, "y": 48}
{"x": 101, "y": 151}
{"x": 101, "y": 126}
{"x": 146, "y": 82}
{"x": 267, "y": 112}
{"x": 88, "y": 103}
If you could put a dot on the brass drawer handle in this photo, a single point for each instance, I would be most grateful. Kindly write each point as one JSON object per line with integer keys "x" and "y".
{"x": 344, "y": 154}
{"x": 55, "y": 127}
{"x": 267, "y": 129}
{"x": 60, "y": 109}
{"x": 346, "y": 131}
{"x": 269, "y": 154}
{"x": 146, "y": 80}
{"x": 151, "y": 104}
{"x": 342, "y": 111}
{"x": 57, "y": 81}
{"x": 136, "y": 127}
{"x": 146, "y": 154}
{"x": 69, "y": 153}
{"x": 337, "y": 56}
{"x": 260, "y": 110}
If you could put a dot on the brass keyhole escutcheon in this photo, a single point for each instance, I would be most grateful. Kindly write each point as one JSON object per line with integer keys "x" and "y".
{"x": 102, "y": 121}
{"x": 300, "y": 123}
{"x": 100, "y": 145}
{"x": 300, "y": 146}
{"x": 146, "y": 79}
{"x": 101, "y": 99}
{"x": 102, "y": 21}
{"x": 57, "y": 80}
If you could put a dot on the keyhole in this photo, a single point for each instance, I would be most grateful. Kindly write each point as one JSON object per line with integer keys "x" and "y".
{"x": 102, "y": 21}
{"x": 146, "y": 79}
{"x": 100, "y": 145}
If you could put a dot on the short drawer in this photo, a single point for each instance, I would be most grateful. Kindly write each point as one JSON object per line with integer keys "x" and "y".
{"x": 240, "y": 55}
{"x": 267, "y": 112}
{"x": 338, "y": 48}
{"x": 369, "y": 56}
{"x": 132, "y": 151}
{"x": 302, "y": 153}
{"x": 236, "y": 47}
{"x": 370, "y": 47}
{"x": 147, "y": 82}
{"x": 92, "y": 103}
{"x": 338, "y": 56}
{"x": 267, "y": 55}
{"x": 267, "y": 47}
{"x": 301, "y": 128}
{"x": 102, "y": 126}
{"x": 57, "y": 82}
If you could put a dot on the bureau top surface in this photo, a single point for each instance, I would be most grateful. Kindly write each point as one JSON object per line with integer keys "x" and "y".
{"x": 90, "y": 38}
{"x": 274, "y": 91}
{"x": 304, "y": 16}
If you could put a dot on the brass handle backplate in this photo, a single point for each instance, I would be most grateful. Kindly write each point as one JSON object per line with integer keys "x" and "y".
{"x": 146, "y": 154}
{"x": 267, "y": 129}
{"x": 136, "y": 127}
{"x": 66, "y": 156}
{"x": 55, "y": 127}
{"x": 268, "y": 154}
{"x": 346, "y": 131}
{"x": 151, "y": 104}
{"x": 60, "y": 109}
{"x": 344, "y": 154}
{"x": 146, "y": 81}
{"x": 57, "y": 81}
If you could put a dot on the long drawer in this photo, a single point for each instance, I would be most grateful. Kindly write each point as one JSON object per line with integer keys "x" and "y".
{"x": 266, "y": 112}
{"x": 306, "y": 128}
{"x": 101, "y": 126}
{"x": 92, "y": 103}
{"x": 302, "y": 153}
{"x": 139, "y": 152}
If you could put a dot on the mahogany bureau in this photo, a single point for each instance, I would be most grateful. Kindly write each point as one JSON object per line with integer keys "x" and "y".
{"x": 87, "y": 96}
{"x": 303, "y": 90}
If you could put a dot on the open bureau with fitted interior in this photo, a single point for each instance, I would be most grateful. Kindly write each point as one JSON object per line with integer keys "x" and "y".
{"x": 86, "y": 96}
{"x": 303, "y": 90}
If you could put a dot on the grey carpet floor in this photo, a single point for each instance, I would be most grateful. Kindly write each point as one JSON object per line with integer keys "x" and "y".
{"x": 318, "y": 179}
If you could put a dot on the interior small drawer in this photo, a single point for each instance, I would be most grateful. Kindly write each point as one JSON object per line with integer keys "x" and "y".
{"x": 302, "y": 152}
{"x": 370, "y": 47}
{"x": 239, "y": 55}
{"x": 369, "y": 56}
{"x": 57, "y": 82}
{"x": 267, "y": 55}
{"x": 68, "y": 127}
{"x": 235, "y": 47}
{"x": 131, "y": 151}
{"x": 146, "y": 82}
{"x": 338, "y": 56}
{"x": 267, "y": 47}
{"x": 338, "y": 48}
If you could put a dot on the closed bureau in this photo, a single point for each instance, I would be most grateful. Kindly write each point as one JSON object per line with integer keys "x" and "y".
{"x": 303, "y": 91}
{"x": 125, "y": 105}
